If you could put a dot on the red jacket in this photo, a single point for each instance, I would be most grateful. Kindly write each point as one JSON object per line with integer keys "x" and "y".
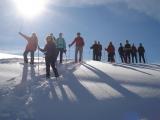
{"x": 79, "y": 41}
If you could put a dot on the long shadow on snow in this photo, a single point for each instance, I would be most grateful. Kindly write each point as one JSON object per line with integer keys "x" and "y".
{"x": 90, "y": 108}
{"x": 87, "y": 106}
{"x": 131, "y": 68}
{"x": 145, "y": 66}
{"x": 16, "y": 101}
{"x": 111, "y": 82}
{"x": 143, "y": 107}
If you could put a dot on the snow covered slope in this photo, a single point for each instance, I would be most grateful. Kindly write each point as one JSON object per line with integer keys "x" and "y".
{"x": 87, "y": 91}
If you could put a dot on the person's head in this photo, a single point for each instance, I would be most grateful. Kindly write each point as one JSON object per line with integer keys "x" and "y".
{"x": 95, "y": 42}
{"x": 60, "y": 35}
{"x": 120, "y": 44}
{"x": 127, "y": 41}
{"x": 78, "y": 34}
{"x": 98, "y": 42}
{"x": 110, "y": 43}
{"x": 51, "y": 34}
{"x": 33, "y": 34}
{"x": 140, "y": 44}
{"x": 49, "y": 39}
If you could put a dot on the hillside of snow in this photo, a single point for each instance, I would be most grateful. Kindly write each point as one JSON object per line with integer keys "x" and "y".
{"x": 90, "y": 90}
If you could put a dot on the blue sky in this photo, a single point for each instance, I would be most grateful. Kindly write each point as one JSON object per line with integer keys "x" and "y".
{"x": 103, "y": 20}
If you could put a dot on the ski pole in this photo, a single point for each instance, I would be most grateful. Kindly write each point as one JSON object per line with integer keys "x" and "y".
{"x": 66, "y": 56}
{"x": 145, "y": 57}
{"x": 69, "y": 54}
{"x": 38, "y": 60}
{"x": 90, "y": 52}
{"x": 104, "y": 57}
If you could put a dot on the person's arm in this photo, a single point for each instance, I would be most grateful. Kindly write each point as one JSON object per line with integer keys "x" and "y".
{"x": 91, "y": 47}
{"x": 42, "y": 50}
{"x": 25, "y": 36}
{"x": 72, "y": 42}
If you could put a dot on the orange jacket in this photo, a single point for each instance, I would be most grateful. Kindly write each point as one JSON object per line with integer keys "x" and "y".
{"x": 32, "y": 42}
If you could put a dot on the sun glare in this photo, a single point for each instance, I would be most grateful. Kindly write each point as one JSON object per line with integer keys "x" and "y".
{"x": 30, "y": 8}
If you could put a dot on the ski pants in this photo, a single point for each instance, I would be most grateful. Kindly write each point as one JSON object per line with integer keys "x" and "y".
{"x": 122, "y": 57}
{"x": 25, "y": 56}
{"x": 141, "y": 56}
{"x": 111, "y": 57}
{"x": 134, "y": 56}
{"x": 50, "y": 62}
{"x": 127, "y": 57}
{"x": 95, "y": 55}
{"x": 61, "y": 50}
{"x": 80, "y": 50}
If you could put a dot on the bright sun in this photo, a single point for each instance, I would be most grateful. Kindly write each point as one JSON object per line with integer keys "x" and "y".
{"x": 30, "y": 8}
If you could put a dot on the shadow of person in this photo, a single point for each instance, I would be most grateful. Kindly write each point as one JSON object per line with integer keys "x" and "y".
{"x": 146, "y": 66}
{"x": 111, "y": 82}
{"x": 131, "y": 68}
{"x": 20, "y": 89}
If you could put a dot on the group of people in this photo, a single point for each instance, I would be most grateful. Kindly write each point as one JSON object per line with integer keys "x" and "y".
{"x": 55, "y": 46}
{"x": 97, "y": 51}
{"x": 52, "y": 49}
{"x": 127, "y": 52}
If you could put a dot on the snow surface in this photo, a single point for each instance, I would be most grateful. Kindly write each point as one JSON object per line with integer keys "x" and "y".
{"x": 86, "y": 91}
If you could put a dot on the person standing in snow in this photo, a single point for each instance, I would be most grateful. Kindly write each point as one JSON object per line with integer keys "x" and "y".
{"x": 95, "y": 50}
{"x": 127, "y": 50}
{"x": 61, "y": 46}
{"x": 31, "y": 46}
{"x": 50, "y": 52}
{"x": 121, "y": 52}
{"x": 141, "y": 52}
{"x": 111, "y": 52}
{"x": 79, "y": 41}
{"x": 134, "y": 53}
{"x": 99, "y": 51}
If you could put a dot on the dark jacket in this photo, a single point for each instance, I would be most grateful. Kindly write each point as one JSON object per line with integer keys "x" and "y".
{"x": 50, "y": 51}
{"x": 99, "y": 48}
{"x": 141, "y": 50}
{"x": 134, "y": 50}
{"x": 127, "y": 48}
{"x": 95, "y": 48}
{"x": 121, "y": 50}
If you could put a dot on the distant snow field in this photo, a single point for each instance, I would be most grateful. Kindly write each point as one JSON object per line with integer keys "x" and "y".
{"x": 90, "y": 90}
